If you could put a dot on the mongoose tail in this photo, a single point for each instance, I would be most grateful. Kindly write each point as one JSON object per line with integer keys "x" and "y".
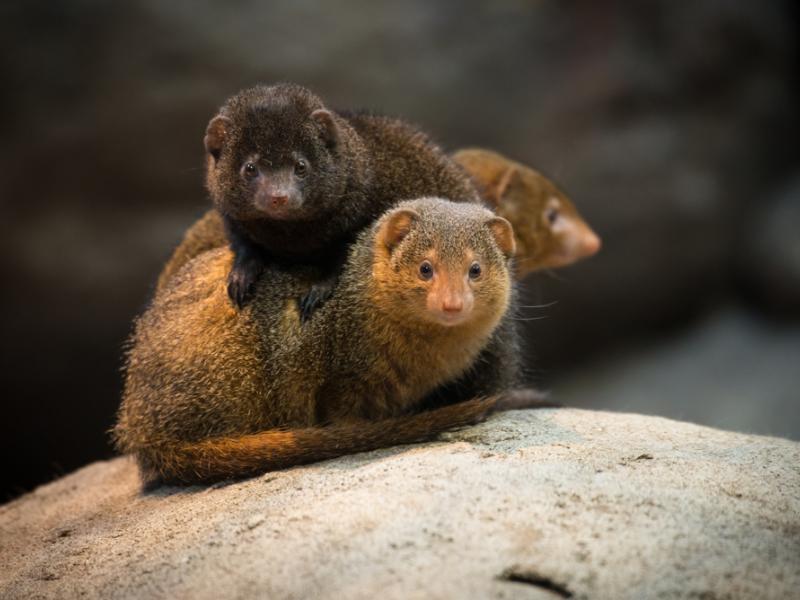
{"x": 233, "y": 457}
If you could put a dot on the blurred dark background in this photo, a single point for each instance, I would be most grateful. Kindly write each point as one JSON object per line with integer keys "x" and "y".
{"x": 673, "y": 126}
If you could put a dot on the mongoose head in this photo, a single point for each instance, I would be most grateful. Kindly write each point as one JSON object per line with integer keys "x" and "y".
{"x": 443, "y": 263}
{"x": 275, "y": 152}
{"x": 549, "y": 230}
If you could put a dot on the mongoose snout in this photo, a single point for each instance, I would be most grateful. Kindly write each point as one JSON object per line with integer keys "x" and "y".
{"x": 450, "y": 298}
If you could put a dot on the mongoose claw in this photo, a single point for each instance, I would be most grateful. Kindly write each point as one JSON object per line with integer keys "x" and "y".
{"x": 242, "y": 280}
{"x": 315, "y": 297}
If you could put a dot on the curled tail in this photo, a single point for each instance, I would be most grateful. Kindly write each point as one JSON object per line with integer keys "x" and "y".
{"x": 231, "y": 457}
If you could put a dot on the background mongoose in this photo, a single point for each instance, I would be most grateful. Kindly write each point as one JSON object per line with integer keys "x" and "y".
{"x": 295, "y": 181}
{"x": 548, "y": 229}
{"x": 213, "y": 392}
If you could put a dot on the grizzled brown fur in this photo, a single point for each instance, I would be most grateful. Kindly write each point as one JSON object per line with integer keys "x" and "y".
{"x": 212, "y": 392}
{"x": 207, "y": 233}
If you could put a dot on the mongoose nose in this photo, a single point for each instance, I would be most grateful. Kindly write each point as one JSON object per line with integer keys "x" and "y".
{"x": 591, "y": 243}
{"x": 453, "y": 305}
{"x": 277, "y": 201}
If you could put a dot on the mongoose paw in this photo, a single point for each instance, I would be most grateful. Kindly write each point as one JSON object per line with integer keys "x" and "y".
{"x": 242, "y": 280}
{"x": 523, "y": 398}
{"x": 315, "y": 297}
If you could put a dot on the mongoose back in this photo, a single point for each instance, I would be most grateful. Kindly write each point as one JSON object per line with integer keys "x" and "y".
{"x": 213, "y": 392}
{"x": 548, "y": 229}
{"x": 550, "y": 232}
{"x": 296, "y": 181}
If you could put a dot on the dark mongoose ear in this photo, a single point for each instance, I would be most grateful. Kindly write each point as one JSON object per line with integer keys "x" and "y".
{"x": 327, "y": 125}
{"x": 503, "y": 235}
{"x": 396, "y": 226}
{"x": 216, "y": 132}
{"x": 497, "y": 190}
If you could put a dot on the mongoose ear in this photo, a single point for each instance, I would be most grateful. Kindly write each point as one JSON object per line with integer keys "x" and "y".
{"x": 496, "y": 191}
{"x": 396, "y": 226}
{"x": 503, "y": 235}
{"x": 216, "y": 132}
{"x": 327, "y": 125}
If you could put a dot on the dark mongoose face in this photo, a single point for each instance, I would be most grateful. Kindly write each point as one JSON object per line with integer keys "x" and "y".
{"x": 274, "y": 153}
{"x": 442, "y": 264}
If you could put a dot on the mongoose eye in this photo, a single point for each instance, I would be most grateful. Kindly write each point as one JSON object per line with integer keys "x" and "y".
{"x": 474, "y": 270}
{"x": 300, "y": 168}
{"x": 551, "y": 215}
{"x": 426, "y": 270}
{"x": 250, "y": 169}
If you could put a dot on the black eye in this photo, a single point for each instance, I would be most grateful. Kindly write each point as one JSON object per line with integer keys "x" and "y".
{"x": 426, "y": 270}
{"x": 474, "y": 271}
{"x": 300, "y": 168}
{"x": 250, "y": 169}
{"x": 552, "y": 215}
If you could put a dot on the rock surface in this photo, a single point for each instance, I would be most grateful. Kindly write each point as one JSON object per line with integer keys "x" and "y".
{"x": 540, "y": 504}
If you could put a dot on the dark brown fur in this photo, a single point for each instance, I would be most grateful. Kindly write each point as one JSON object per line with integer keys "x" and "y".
{"x": 212, "y": 392}
{"x": 355, "y": 166}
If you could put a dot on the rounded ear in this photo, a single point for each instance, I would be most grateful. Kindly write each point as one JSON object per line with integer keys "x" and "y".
{"x": 216, "y": 132}
{"x": 503, "y": 235}
{"x": 496, "y": 191}
{"x": 395, "y": 226}
{"x": 329, "y": 130}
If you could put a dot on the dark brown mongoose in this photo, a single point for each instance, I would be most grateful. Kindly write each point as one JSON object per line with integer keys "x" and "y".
{"x": 549, "y": 231}
{"x": 296, "y": 181}
{"x": 212, "y": 392}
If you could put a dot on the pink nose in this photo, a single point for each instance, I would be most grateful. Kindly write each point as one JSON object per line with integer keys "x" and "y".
{"x": 591, "y": 243}
{"x": 453, "y": 304}
{"x": 277, "y": 201}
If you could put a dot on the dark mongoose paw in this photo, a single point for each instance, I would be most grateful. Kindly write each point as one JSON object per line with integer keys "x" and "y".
{"x": 242, "y": 280}
{"x": 315, "y": 298}
{"x": 523, "y": 398}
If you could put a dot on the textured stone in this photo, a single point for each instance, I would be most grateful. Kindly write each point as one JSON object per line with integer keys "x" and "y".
{"x": 529, "y": 505}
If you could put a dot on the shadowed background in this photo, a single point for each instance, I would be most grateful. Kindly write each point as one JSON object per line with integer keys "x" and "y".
{"x": 673, "y": 127}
